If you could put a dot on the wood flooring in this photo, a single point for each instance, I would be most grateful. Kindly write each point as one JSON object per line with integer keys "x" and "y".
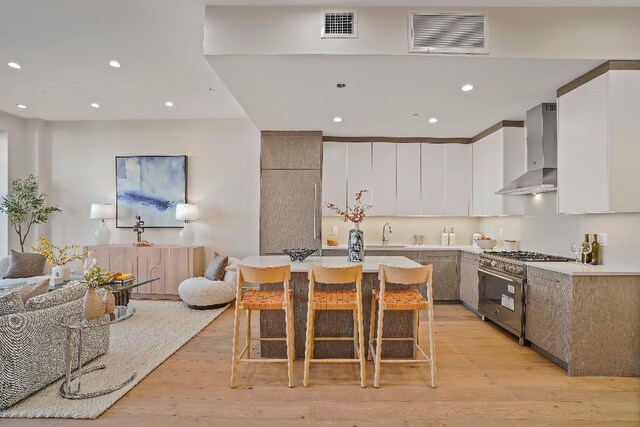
{"x": 485, "y": 379}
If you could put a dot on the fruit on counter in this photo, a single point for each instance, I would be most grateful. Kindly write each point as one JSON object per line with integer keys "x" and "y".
{"x": 121, "y": 276}
{"x": 332, "y": 242}
{"x": 485, "y": 238}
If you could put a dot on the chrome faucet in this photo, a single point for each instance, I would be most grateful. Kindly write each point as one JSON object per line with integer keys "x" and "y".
{"x": 385, "y": 239}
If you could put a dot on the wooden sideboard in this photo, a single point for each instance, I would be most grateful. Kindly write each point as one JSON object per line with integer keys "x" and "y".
{"x": 172, "y": 264}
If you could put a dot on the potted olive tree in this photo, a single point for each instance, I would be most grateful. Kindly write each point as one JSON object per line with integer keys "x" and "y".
{"x": 26, "y": 206}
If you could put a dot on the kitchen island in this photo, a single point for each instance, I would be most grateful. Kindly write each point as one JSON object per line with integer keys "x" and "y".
{"x": 331, "y": 323}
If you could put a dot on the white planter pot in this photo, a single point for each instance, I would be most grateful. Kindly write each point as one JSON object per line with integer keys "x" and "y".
{"x": 60, "y": 273}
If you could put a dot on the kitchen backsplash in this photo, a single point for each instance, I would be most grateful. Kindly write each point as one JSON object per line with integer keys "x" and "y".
{"x": 540, "y": 229}
{"x": 403, "y": 229}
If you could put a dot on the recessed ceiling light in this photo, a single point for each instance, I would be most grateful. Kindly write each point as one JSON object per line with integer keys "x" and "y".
{"x": 337, "y": 119}
{"x": 114, "y": 63}
{"x": 22, "y": 106}
{"x": 467, "y": 87}
{"x": 169, "y": 104}
{"x": 14, "y": 65}
{"x": 94, "y": 105}
{"x": 433, "y": 120}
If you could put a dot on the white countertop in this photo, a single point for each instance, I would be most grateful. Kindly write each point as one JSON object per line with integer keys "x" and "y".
{"x": 576, "y": 269}
{"x": 392, "y": 247}
{"x": 370, "y": 264}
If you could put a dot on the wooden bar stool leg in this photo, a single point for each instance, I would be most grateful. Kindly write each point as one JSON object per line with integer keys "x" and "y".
{"x": 287, "y": 318}
{"x": 432, "y": 348}
{"x": 248, "y": 334}
{"x": 236, "y": 337}
{"x": 308, "y": 349}
{"x": 360, "y": 333}
{"x": 355, "y": 333}
{"x": 416, "y": 333}
{"x": 372, "y": 327}
{"x": 376, "y": 374}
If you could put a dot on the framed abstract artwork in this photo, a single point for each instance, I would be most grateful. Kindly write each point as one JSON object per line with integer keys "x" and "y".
{"x": 150, "y": 186}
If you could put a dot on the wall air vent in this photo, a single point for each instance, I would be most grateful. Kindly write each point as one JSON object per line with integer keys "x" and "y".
{"x": 448, "y": 33}
{"x": 342, "y": 24}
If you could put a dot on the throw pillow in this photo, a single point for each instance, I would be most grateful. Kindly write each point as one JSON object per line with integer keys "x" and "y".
{"x": 71, "y": 292}
{"x": 11, "y": 303}
{"x": 33, "y": 290}
{"x": 215, "y": 269}
{"x": 25, "y": 265}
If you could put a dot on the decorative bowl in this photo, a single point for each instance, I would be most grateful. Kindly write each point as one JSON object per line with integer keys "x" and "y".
{"x": 298, "y": 254}
{"x": 511, "y": 245}
{"x": 487, "y": 243}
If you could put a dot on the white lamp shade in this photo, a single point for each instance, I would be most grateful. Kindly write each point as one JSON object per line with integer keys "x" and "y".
{"x": 187, "y": 212}
{"x": 99, "y": 211}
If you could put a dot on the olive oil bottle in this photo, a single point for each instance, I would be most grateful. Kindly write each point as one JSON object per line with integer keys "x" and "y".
{"x": 586, "y": 258}
{"x": 596, "y": 251}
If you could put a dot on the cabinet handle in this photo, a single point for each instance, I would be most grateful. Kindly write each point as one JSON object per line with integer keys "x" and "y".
{"x": 315, "y": 206}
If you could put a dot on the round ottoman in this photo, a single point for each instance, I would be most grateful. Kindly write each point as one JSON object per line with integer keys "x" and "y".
{"x": 202, "y": 293}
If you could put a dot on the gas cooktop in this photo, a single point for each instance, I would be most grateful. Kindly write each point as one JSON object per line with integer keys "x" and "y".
{"x": 525, "y": 256}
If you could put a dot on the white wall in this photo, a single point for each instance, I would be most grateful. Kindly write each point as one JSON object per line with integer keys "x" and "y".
{"x": 403, "y": 229}
{"x": 541, "y": 229}
{"x": 223, "y": 179}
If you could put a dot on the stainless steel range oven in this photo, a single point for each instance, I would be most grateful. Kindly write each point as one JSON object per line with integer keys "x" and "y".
{"x": 501, "y": 287}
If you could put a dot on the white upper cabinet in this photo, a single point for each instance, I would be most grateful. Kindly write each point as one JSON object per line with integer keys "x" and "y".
{"x": 383, "y": 179}
{"x": 457, "y": 179}
{"x": 433, "y": 179}
{"x": 358, "y": 171}
{"x": 498, "y": 159}
{"x": 598, "y": 145}
{"x": 334, "y": 175}
{"x": 408, "y": 179}
{"x": 479, "y": 196}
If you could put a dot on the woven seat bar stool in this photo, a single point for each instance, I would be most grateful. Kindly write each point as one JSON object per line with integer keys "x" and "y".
{"x": 262, "y": 300}
{"x": 335, "y": 300}
{"x": 410, "y": 300}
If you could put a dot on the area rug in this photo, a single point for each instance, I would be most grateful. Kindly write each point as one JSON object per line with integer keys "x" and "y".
{"x": 141, "y": 343}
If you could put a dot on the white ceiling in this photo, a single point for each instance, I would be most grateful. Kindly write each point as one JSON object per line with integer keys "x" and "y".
{"x": 432, "y": 3}
{"x": 384, "y": 92}
{"x": 64, "y": 47}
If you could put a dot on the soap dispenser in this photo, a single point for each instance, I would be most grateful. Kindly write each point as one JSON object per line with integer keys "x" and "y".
{"x": 444, "y": 241}
{"x": 452, "y": 238}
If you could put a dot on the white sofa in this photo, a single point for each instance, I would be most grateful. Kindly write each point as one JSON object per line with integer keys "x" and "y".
{"x": 14, "y": 283}
{"x": 202, "y": 293}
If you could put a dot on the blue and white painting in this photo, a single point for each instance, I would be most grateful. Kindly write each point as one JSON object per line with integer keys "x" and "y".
{"x": 150, "y": 186}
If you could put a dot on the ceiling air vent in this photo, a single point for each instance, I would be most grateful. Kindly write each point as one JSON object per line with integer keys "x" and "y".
{"x": 342, "y": 24}
{"x": 448, "y": 32}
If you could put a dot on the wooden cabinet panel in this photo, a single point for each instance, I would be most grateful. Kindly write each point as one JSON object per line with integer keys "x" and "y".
{"x": 469, "y": 279}
{"x": 291, "y": 150}
{"x": 170, "y": 264}
{"x": 289, "y": 210}
{"x": 383, "y": 179}
{"x": 433, "y": 179}
{"x": 358, "y": 171}
{"x": 457, "y": 179}
{"x": 548, "y": 322}
{"x": 334, "y": 176}
{"x": 408, "y": 179}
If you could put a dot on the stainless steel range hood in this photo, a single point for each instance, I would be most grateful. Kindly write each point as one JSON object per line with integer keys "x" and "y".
{"x": 541, "y": 176}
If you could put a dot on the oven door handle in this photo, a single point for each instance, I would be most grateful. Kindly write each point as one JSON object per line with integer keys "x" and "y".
{"x": 499, "y": 276}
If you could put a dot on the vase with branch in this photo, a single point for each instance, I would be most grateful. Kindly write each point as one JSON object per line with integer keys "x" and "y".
{"x": 58, "y": 257}
{"x": 26, "y": 206}
{"x": 356, "y": 214}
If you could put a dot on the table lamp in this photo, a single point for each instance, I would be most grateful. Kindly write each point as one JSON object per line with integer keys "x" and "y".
{"x": 102, "y": 212}
{"x": 187, "y": 212}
